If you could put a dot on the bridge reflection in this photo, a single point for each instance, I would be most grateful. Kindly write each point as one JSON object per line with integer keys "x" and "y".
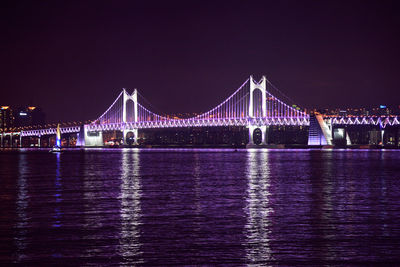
{"x": 258, "y": 209}
{"x": 130, "y": 211}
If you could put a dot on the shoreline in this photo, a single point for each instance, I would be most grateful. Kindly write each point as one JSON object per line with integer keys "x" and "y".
{"x": 252, "y": 147}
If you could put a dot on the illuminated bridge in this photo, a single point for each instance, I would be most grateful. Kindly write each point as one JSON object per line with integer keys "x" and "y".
{"x": 252, "y": 106}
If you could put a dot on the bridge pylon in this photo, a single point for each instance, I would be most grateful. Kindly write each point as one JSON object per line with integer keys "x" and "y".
{"x": 126, "y": 98}
{"x": 262, "y": 87}
{"x": 133, "y": 97}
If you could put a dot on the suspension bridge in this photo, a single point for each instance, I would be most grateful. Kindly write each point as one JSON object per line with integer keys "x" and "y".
{"x": 252, "y": 106}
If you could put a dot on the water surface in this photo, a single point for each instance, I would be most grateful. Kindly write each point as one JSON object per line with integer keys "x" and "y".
{"x": 200, "y": 207}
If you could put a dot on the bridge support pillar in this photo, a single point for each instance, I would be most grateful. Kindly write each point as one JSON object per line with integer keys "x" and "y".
{"x": 320, "y": 132}
{"x": 262, "y": 87}
{"x": 39, "y": 141}
{"x": 135, "y": 133}
{"x": 264, "y": 138}
{"x": 251, "y": 131}
{"x": 264, "y": 131}
{"x": 80, "y": 137}
{"x": 348, "y": 140}
{"x": 93, "y": 138}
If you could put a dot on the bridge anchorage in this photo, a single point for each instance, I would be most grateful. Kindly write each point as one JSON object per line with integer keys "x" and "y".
{"x": 252, "y": 106}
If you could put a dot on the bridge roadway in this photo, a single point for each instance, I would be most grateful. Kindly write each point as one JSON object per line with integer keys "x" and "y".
{"x": 179, "y": 123}
{"x": 176, "y": 123}
{"x": 50, "y": 131}
{"x": 381, "y": 121}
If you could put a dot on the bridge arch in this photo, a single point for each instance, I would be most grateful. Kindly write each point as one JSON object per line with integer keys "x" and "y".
{"x": 257, "y": 136}
{"x": 130, "y": 138}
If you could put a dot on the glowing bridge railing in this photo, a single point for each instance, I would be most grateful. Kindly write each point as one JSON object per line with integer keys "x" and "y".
{"x": 303, "y": 121}
{"x": 50, "y": 131}
{"x": 381, "y": 121}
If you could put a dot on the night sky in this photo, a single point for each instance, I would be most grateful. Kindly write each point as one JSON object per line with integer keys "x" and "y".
{"x": 73, "y": 57}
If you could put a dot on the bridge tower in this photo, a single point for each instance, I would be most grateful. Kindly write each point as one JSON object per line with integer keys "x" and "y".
{"x": 128, "y": 129}
{"x": 262, "y": 87}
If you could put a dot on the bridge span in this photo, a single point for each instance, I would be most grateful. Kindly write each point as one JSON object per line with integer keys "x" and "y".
{"x": 252, "y": 106}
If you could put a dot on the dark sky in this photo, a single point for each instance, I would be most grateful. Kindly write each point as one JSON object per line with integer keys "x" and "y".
{"x": 73, "y": 57}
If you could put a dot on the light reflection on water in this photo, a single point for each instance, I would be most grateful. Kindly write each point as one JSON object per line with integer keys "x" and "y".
{"x": 130, "y": 211}
{"x": 258, "y": 208}
{"x": 92, "y": 211}
{"x": 200, "y": 207}
{"x": 21, "y": 209}
{"x": 58, "y": 192}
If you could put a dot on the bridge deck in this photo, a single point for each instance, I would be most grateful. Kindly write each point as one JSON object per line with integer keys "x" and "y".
{"x": 381, "y": 121}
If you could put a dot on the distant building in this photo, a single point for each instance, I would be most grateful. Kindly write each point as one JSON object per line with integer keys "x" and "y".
{"x": 11, "y": 118}
{"x": 29, "y": 116}
{"x": 384, "y": 110}
{"x": 6, "y": 118}
{"x": 381, "y": 110}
